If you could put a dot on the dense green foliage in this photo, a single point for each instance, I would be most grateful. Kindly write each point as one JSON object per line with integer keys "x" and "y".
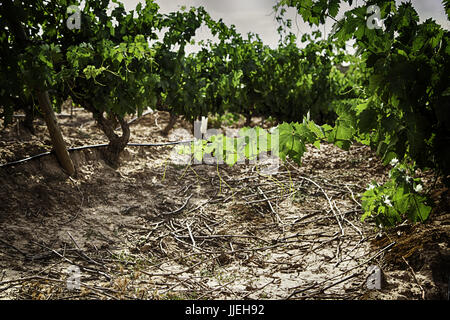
{"x": 109, "y": 65}
{"x": 399, "y": 101}
{"x": 394, "y": 97}
{"x": 406, "y": 64}
{"x": 397, "y": 199}
{"x": 404, "y": 108}
{"x": 106, "y": 66}
{"x": 244, "y": 76}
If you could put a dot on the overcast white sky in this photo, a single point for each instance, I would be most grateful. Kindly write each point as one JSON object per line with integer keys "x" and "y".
{"x": 257, "y": 15}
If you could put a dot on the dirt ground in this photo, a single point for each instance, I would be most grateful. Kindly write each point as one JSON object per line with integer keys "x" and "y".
{"x": 158, "y": 229}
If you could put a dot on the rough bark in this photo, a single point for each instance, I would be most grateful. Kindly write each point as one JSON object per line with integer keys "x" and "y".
{"x": 169, "y": 126}
{"x": 116, "y": 143}
{"x": 59, "y": 145}
{"x": 29, "y": 119}
{"x": 248, "y": 120}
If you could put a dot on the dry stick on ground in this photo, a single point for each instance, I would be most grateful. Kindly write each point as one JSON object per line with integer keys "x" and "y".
{"x": 258, "y": 289}
{"x": 188, "y": 226}
{"x": 199, "y": 206}
{"x": 75, "y": 264}
{"x": 215, "y": 236}
{"x": 335, "y": 237}
{"x": 184, "y": 228}
{"x": 179, "y": 272}
{"x": 340, "y": 239}
{"x": 179, "y": 209}
{"x": 329, "y": 202}
{"x": 317, "y": 219}
{"x": 360, "y": 233}
{"x": 82, "y": 202}
{"x": 13, "y": 247}
{"x": 235, "y": 250}
{"x": 156, "y": 121}
{"x": 17, "y": 280}
{"x": 209, "y": 291}
{"x": 175, "y": 285}
{"x": 333, "y": 284}
{"x": 331, "y": 207}
{"x": 252, "y": 195}
{"x": 415, "y": 278}
{"x": 60, "y": 281}
{"x": 326, "y": 196}
{"x": 321, "y": 233}
{"x": 353, "y": 196}
{"x": 190, "y": 245}
{"x": 270, "y": 206}
{"x": 192, "y": 288}
{"x": 346, "y": 271}
{"x": 89, "y": 259}
{"x": 268, "y": 199}
{"x": 161, "y": 246}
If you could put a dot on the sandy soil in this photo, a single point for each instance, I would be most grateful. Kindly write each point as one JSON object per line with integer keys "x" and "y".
{"x": 155, "y": 229}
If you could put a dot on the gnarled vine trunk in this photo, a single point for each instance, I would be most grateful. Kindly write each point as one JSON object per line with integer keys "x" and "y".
{"x": 108, "y": 125}
{"x": 29, "y": 118}
{"x": 116, "y": 143}
{"x": 172, "y": 120}
{"x": 248, "y": 120}
{"x": 59, "y": 145}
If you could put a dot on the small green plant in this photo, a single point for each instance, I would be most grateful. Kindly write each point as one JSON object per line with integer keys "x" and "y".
{"x": 398, "y": 199}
